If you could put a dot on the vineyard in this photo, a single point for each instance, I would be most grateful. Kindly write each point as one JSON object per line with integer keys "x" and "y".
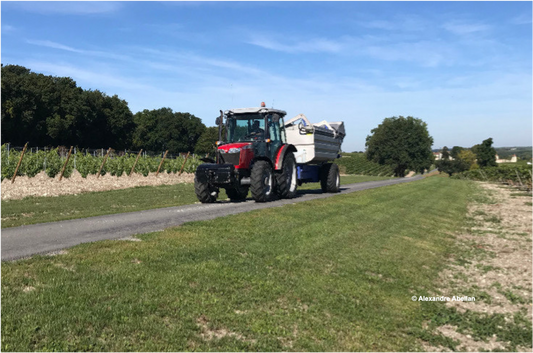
{"x": 52, "y": 162}
{"x": 356, "y": 163}
{"x": 515, "y": 175}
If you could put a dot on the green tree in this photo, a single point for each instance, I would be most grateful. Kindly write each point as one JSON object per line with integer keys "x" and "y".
{"x": 455, "y": 151}
{"x": 162, "y": 129}
{"x": 403, "y": 143}
{"x": 445, "y": 153}
{"x": 468, "y": 157}
{"x": 444, "y": 165}
{"x": 457, "y": 164}
{"x": 206, "y": 142}
{"x": 49, "y": 110}
{"x": 485, "y": 154}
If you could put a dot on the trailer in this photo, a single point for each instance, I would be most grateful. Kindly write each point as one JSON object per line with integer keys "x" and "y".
{"x": 316, "y": 145}
{"x": 257, "y": 151}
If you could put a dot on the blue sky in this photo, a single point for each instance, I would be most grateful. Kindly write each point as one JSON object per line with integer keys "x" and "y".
{"x": 462, "y": 67}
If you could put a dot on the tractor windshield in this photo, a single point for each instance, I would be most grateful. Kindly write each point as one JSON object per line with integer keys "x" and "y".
{"x": 245, "y": 128}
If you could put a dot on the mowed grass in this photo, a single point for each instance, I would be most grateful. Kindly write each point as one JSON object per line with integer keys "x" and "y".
{"x": 335, "y": 274}
{"x": 33, "y": 210}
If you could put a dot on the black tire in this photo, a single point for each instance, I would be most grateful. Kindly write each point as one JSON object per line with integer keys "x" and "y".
{"x": 204, "y": 192}
{"x": 330, "y": 179}
{"x": 262, "y": 181}
{"x": 238, "y": 194}
{"x": 287, "y": 179}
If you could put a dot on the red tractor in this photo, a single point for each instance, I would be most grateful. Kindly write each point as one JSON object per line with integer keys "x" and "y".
{"x": 253, "y": 155}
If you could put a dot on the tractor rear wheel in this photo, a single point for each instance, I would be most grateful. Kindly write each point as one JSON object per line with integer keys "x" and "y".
{"x": 330, "y": 179}
{"x": 204, "y": 192}
{"x": 237, "y": 194}
{"x": 286, "y": 180}
{"x": 262, "y": 181}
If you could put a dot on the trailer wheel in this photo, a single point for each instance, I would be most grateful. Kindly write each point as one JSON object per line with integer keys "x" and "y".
{"x": 262, "y": 181}
{"x": 287, "y": 180}
{"x": 330, "y": 179}
{"x": 204, "y": 192}
{"x": 237, "y": 194}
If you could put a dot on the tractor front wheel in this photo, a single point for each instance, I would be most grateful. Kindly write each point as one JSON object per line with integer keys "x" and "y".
{"x": 286, "y": 180}
{"x": 205, "y": 192}
{"x": 262, "y": 181}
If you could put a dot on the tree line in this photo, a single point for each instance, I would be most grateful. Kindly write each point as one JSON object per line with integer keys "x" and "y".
{"x": 52, "y": 111}
{"x": 460, "y": 159}
{"x": 404, "y": 144}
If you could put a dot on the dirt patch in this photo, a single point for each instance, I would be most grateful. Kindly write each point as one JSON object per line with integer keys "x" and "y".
{"x": 42, "y": 185}
{"x": 495, "y": 268}
{"x": 209, "y": 334}
{"x": 432, "y": 173}
{"x": 28, "y": 289}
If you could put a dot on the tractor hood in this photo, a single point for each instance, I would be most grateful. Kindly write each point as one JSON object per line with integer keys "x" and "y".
{"x": 234, "y": 147}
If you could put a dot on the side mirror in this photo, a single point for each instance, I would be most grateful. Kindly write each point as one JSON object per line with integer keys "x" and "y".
{"x": 217, "y": 121}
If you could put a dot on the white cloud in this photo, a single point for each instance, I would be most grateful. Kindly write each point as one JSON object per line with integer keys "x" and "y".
{"x": 308, "y": 45}
{"x": 399, "y": 23}
{"x": 188, "y": 3}
{"x": 379, "y": 24}
{"x": 7, "y": 28}
{"x": 182, "y": 61}
{"x": 226, "y": 3}
{"x": 463, "y": 27}
{"x": 54, "y": 45}
{"x": 425, "y": 53}
{"x": 95, "y": 77}
{"x": 66, "y": 7}
{"x": 522, "y": 19}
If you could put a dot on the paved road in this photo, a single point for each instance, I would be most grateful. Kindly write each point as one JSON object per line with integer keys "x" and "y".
{"x": 24, "y": 241}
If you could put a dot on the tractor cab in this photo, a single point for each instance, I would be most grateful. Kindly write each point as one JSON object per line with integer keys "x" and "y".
{"x": 249, "y": 133}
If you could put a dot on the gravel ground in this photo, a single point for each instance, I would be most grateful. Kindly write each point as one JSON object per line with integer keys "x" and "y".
{"x": 42, "y": 185}
{"x": 502, "y": 264}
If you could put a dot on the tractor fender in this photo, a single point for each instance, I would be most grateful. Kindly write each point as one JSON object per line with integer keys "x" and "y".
{"x": 282, "y": 152}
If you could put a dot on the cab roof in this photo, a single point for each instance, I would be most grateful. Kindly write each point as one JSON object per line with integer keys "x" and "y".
{"x": 256, "y": 110}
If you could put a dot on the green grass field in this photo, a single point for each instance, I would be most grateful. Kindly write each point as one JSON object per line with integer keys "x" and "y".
{"x": 335, "y": 274}
{"x": 49, "y": 209}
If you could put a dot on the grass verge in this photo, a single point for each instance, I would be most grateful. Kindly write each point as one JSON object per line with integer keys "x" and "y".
{"x": 33, "y": 210}
{"x": 335, "y": 274}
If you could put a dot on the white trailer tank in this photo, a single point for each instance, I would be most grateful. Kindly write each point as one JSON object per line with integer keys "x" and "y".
{"x": 316, "y": 143}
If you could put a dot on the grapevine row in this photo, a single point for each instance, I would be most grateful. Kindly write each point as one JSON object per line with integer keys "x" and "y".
{"x": 507, "y": 173}
{"x": 51, "y": 162}
{"x": 356, "y": 163}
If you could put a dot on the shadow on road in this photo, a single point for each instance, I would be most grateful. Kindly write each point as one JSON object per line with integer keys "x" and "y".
{"x": 300, "y": 193}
